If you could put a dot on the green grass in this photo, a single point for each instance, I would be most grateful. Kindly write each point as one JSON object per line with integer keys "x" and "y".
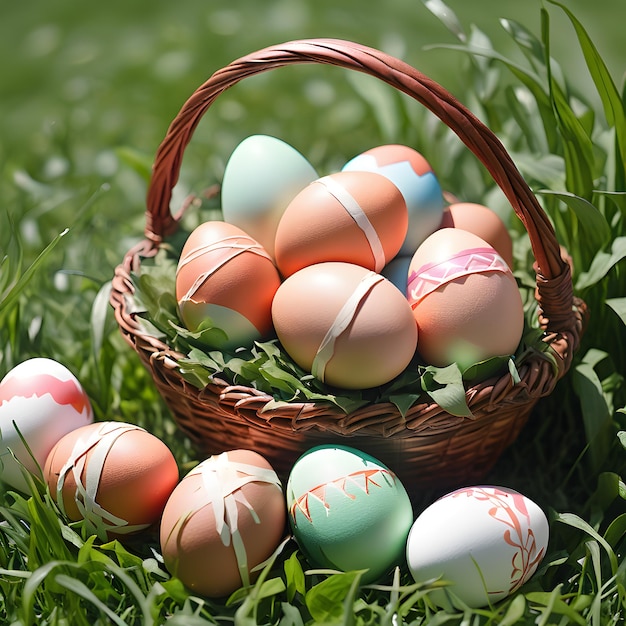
{"x": 84, "y": 103}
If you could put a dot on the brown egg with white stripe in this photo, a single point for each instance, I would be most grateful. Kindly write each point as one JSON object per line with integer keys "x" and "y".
{"x": 222, "y": 522}
{"x": 115, "y": 476}
{"x": 352, "y": 217}
{"x": 347, "y": 325}
{"x": 225, "y": 281}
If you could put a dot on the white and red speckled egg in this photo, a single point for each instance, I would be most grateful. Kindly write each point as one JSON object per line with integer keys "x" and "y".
{"x": 40, "y": 401}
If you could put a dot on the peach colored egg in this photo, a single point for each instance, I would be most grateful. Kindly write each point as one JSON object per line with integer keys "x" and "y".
{"x": 224, "y": 519}
{"x": 349, "y": 326}
{"x": 227, "y": 280}
{"x": 117, "y": 476}
{"x": 354, "y": 217}
{"x": 465, "y": 300}
{"x": 413, "y": 175}
{"x": 482, "y": 221}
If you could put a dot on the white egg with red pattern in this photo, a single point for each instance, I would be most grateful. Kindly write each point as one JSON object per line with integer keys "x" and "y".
{"x": 40, "y": 402}
{"x": 484, "y": 541}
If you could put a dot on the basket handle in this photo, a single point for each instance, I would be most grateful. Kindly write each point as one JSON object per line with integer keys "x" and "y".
{"x": 553, "y": 273}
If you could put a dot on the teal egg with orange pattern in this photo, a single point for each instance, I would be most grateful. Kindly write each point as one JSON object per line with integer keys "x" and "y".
{"x": 348, "y": 511}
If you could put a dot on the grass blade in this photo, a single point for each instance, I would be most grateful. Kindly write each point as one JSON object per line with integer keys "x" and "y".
{"x": 526, "y": 40}
{"x": 602, "y": 264}
{"x": 592, "y": 231}
{"x": 515, "y": 612}
{"x": 532, "y": 81}
{"x": 619, "y": 306}
{"x": 577, "y": 522}
{"x": 595, "y": 411}
{"x": 607, "y": 90}
{"x": 447, "y": 16}
{"x": 32, "y": 585}
{"x": 577, "y": 145}
{"x": 80, "y": 589}
{"x": 18, "y": 287}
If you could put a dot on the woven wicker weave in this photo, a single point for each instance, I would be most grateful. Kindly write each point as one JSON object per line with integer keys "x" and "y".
{"x": 427, "y": 446}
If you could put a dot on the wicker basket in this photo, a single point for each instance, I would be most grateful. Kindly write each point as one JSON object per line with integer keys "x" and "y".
{"x": 426, "y": 447}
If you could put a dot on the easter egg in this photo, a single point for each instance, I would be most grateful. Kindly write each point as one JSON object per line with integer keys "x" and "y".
{"x": 397, "y": 271}
{"x": 482, "y": 221}
{"x": 465, "y": 300}
{"x": 224, "y": 519}
{"x": 226, "y": 280}
{"x": 40, "y": 401}
{"x": 261, "y": 177}
{"x": 348, "y": 511}
{"x": 349, "y": 326}
{"x": 354, "y": 217}
{"x": 414, "y": 177}
{"x": 485, "y": 541}
{"x": 114, "y": 475}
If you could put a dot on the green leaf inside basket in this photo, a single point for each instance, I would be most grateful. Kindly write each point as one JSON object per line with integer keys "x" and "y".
{"x": 265, "y": 366}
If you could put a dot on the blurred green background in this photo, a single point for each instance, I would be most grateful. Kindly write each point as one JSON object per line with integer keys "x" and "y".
{"x": 84, "y": 68}
{"x": 87, "y": 91}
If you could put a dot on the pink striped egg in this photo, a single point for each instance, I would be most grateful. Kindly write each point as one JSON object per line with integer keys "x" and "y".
{"x": 465, "y": 300}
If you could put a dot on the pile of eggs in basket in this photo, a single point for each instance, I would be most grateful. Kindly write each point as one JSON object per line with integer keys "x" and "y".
{"x": 355, "y": 272}
{"x": 225, "y": 520}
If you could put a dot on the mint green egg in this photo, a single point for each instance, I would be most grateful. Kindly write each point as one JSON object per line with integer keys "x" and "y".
{"x": 262, "y": 175}
{"x": 348, "y": 511}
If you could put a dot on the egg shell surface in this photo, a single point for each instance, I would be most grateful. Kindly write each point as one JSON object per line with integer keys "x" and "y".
{"x": 41, "y": 400}
{"x": 483, "y": 222}
{"x": 413, "y": 175}
{"x": 397, "y": 271}
{"x": 224, "y": 519}
{"x": 487, "y": 541}
{"x": 354, "y": 217}
{"x": 349, "y": 326}
{"x": 261, "y": 177}
{"x": 226, "y": 279}
{"x": 348, "y": 511}
{"x": 115, "y": 475}
{"x": 465, "y": 300}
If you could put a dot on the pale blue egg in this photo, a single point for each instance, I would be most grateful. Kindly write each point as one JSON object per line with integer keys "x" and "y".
{"x": 262, "y": 175}
{"x": 397, "y": 271}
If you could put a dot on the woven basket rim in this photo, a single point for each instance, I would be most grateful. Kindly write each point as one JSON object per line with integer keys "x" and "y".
{"x": 560, "y": 314}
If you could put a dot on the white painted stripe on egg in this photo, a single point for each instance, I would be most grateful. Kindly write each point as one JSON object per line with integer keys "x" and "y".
{"x": 231, "y": 248}
{"x": 236, "y": 242}
{"x": 355, "y": 210}
{"x": 223, "y": 480}
{"x": 98, "y": 442}
{"x": 343, "y": 319}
